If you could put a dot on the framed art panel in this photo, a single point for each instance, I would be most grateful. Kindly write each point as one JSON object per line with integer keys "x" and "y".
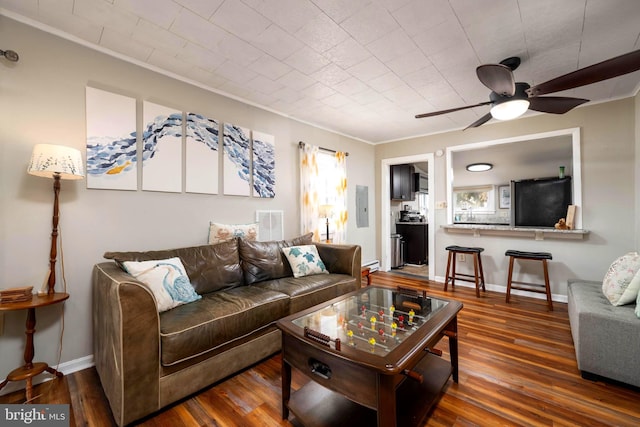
{"x": 111, "y": 141}
{"x": 161, "y": 148}
{"x": 264, "y": 165}
{"x": 202, "y": 136}
{"x": 504, "y": 194}
{"x": 236, "y": 164}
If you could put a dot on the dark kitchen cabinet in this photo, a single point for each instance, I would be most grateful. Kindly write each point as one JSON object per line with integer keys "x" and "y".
{"x": 402, "y": 182}
{"x": 415, "y": 234}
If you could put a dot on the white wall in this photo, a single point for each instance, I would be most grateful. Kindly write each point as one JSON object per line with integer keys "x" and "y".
{"x": 42, "y": 99}
{"x": 608, "y": 133}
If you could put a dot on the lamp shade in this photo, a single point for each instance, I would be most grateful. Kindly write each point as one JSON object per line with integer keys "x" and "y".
{"x": 48, "y": 160}
{"x": 325, "y": 211}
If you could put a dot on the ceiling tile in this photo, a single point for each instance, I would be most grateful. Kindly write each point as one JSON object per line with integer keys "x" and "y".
{"x": 270, "y": 67}
{"x": 318, "y": 91}
{"x": 240, "y": 20}
{"x": 441, "y": 38}
{"x": 236, "y": 74}
{"x": 204, "y": 8}
{"x": 24, "y": 7}
{"x": 290, "y": 15}
{"x": 420, "y": 15}
{"x": 392, "y": 45}
{"x": 370, "y": 24}
{"x": 74, "y": 25}
{"x": 201, "y": 57}
{"x": 368, "y": 69}
{"x": 307, "y": 60}
{"x": 385, "y": 82}
{"x": 124, "y": 45}
{"x": 198, "y": 30}
{"x": 339, "y": 10}
{"x": 409, "y": 62}
{"x": 350, "y": 86}
{"x": 102, "y": 13}
{"x": 160, "y": 12}
{"x": 243, "y": 53}
{"x": 153, "y": 35}
{"x": 321, "y": 33}
{"x": 263, "y": 84}
{"x": 331, "y": 75}
{"x": 347, "y": 53}
{"x": 277, "y": 42}
{"x": 294, "y": 79}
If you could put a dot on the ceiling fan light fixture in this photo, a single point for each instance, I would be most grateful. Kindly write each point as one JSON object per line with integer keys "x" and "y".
{"x": 479, "y": 167}
{"x": 510, "y": 110}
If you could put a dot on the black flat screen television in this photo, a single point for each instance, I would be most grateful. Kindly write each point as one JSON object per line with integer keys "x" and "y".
{"x": 540, "y": 202}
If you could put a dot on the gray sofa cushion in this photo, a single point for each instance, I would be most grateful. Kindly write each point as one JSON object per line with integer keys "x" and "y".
{"x": 218, "y": 318}
{"x": 606, "y": 337}
{"x": 209, "y": 267}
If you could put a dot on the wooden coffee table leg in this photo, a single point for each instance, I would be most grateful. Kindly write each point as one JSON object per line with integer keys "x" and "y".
{"x": 452, "y": 333}
{"x": 286, "y": 388}
{"x": 386, "y": 401}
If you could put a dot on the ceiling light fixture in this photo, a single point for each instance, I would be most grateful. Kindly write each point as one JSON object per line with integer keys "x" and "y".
{"x": 510, "y": 107}
{"x": 479, "y": 167}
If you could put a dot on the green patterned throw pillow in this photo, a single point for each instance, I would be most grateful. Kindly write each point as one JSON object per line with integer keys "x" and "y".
{"x": 304, "y": 260}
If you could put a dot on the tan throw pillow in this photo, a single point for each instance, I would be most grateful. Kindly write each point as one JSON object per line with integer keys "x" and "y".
{"x": 622, "y": 281}
{"x": 223, "y": 232}
{"x": 304, "y": 260}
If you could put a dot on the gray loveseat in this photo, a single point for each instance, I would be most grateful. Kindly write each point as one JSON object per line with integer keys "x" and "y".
{"x": 606, "y": 337}
{"x": 147, "y": 360}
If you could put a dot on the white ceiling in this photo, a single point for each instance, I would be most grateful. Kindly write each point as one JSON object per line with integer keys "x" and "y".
{"x": 363, "y": 68}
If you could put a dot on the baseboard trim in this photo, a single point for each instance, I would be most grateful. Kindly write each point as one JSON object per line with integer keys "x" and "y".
{"x": 503, "y": 289}
{"x": 66, "y": 368}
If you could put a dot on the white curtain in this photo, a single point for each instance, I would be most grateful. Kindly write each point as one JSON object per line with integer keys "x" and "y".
{"x": 309, "y": 183}
{"x": 340, "y": 215}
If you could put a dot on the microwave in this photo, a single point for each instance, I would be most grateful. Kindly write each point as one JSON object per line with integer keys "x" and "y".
{"x": 421, "y": 183}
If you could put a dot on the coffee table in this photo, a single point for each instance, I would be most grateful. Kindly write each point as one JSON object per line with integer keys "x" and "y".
{"x": 370, "y": 357}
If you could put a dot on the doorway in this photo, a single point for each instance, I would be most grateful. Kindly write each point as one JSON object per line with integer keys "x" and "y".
{"x": 388, "y": 217}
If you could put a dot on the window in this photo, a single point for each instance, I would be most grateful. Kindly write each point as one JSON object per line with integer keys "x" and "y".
{"x": 470, "y": 200}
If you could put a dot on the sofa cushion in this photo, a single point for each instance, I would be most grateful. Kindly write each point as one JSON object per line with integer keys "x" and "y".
{"x": 308, "y": 291}
{"x": 621, "y": 282}
{"x": 265, "y": 261}
{"x": 209, "y": 267}
{"x": 304, "y": 260}
{"x": 167, "y": 280}
{"x": 217, "y": 319}
{"x": 223, "y": 232}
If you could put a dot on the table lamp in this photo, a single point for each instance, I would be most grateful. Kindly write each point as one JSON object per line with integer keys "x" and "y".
{"x": 57, "y": 162}
{"x": 325, "y": 211}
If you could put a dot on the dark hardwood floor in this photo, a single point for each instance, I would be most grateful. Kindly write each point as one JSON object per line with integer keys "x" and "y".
{"x": 517, "y": 367}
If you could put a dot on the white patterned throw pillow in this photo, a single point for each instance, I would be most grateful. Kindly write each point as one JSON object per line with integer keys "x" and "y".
{"x": 621, "y": 284}
{"x": 167, "y": 280}
{"x": 304, "y": 260}
{"x": 223, "y": 232}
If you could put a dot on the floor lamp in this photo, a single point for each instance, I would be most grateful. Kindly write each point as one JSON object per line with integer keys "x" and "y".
{"x": 325, "y": 211}
{"x": 57, "y": 162}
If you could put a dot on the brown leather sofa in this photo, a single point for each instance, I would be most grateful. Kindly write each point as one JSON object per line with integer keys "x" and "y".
{"x": 147, "y": 360}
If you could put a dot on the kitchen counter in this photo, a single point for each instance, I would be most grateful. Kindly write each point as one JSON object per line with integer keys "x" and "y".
{"x": 412, "y": 222}
{"x": 538, "y": 233}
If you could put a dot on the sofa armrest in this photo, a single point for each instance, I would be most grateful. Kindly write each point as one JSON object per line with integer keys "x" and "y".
{"x": 342, "y": 259}
{"x": 126, "y": 342}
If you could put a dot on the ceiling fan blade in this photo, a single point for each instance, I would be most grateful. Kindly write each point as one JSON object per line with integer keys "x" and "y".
{"x": 554, "y": 104}
{"x": 482, "y": 120}
{"x": 498, "y": 78}
{"x": 451, "y": 110}
{"x": 604, "y": 70}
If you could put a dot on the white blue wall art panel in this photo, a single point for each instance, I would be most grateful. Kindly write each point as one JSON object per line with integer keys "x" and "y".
{"x": 264, "y": 165}
{"x": 111, "y": 141}
{"x": 236, "y": 160}
{"x": 202, "y": 136}
{"x": 161, "y": 148}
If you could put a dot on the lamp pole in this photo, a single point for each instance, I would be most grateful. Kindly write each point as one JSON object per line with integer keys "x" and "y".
{"x": 54, "y": 235}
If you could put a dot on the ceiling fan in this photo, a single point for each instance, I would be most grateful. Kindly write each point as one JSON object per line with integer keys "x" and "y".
{"x": 510, "y": 99}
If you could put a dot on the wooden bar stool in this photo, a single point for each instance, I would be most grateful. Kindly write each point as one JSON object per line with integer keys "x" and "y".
{"x": 478, "y": 273}
{"x": 531, "y": 287}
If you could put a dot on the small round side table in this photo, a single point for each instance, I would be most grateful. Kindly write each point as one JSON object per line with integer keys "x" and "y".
{"x": 30, "y": 369}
